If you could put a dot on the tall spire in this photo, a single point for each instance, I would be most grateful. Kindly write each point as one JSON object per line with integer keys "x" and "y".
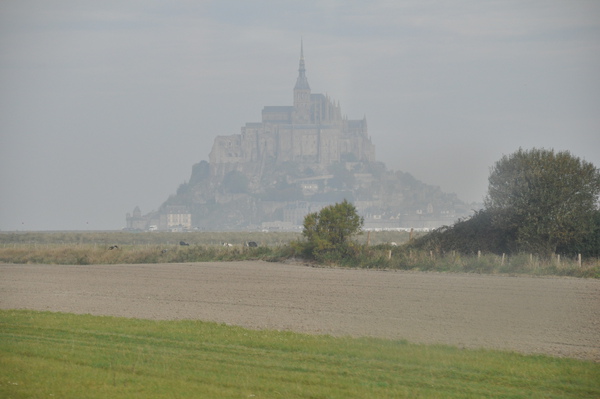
{"x": 302, "y": 81}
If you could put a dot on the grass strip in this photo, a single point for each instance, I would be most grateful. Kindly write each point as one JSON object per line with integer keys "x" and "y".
{"x": 45, "y": 354}
{"x": 85, "y": 248}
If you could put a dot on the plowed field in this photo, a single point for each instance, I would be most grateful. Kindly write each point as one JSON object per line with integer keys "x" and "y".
{"x": 557, "y": 316}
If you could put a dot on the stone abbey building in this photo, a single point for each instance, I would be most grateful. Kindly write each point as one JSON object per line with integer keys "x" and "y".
{"x": 296, "y": 160}
{"x": 311, "y": 132}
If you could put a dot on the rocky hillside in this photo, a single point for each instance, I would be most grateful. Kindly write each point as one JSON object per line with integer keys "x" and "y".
{"x": 284, "y": 193}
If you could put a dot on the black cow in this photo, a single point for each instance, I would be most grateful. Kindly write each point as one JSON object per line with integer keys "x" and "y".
{"x": 183, "y": 243}
{"x": 251, "y": 244}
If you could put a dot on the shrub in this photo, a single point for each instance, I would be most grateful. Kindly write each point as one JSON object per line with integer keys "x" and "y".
{"x": 328, "y": 233}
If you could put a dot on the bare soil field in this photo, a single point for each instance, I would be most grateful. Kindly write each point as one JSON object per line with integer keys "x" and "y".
{"x": 556, "y": 316}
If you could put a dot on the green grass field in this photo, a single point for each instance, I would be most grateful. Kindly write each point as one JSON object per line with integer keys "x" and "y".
{"x": 46, "y": 355}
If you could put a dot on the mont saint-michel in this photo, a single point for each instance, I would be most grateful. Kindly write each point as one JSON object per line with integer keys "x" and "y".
{"x": 296, "y": 160}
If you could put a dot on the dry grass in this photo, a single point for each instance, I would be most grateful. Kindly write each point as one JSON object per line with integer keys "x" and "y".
{"x": 83, "y": 248}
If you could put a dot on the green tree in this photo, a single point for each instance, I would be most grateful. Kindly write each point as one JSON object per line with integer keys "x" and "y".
{"x": 200, "y": 173}
{"x": 330, "y": 229}
{"x": 590, "y": 245}
{"x": 543, "y": 199}
{"x": 235, "y": 182}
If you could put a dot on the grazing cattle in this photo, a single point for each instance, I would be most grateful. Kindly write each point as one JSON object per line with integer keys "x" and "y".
{"x": 226, "y": 244}
{"x": 251, "y": 244}
{"x": 184, "y": 243}
{"x": 113, "y": 247}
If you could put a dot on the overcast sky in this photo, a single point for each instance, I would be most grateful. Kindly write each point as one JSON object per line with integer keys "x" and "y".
{"x": 105, "y": 105}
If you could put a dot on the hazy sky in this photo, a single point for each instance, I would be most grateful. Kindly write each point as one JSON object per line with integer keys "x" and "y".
{"x": 105, "y": 105}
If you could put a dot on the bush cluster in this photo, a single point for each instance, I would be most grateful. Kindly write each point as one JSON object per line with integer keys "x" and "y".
{"x": 480, "y": 234}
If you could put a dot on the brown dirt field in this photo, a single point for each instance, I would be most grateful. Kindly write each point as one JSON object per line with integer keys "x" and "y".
{"x": 557, "y": 316}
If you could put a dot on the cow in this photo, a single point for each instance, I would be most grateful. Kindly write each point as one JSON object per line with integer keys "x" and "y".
{"x": 183, "y": 243}
{"x": 251, "y": 244}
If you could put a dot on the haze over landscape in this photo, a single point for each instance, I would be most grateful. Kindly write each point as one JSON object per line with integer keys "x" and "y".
{"x": 105, "y": 106}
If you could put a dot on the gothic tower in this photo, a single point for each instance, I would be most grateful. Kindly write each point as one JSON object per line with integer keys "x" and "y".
{"x": 301, "y": 113}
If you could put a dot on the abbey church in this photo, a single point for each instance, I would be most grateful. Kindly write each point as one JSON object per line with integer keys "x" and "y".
{"x": 312, "y": 131}
{"x": 298, "y": 159}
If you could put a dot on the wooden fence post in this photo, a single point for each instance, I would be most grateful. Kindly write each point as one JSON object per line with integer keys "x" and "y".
{"x": 478, "y": 254}
{"x": 389, "y": 254}
{"x": 503, "y": 254}
{"x": 579, "y": 259}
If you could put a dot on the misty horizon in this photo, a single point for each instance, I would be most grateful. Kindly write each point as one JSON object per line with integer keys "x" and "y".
{"x": 105, "y": 107}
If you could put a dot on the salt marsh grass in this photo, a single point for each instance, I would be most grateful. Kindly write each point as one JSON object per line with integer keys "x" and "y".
{"x": 83, "y": 248}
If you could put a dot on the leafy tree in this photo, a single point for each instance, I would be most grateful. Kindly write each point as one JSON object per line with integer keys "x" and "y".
{"x": 589, "y": 246}
{"x": 330, "y": 229}
{"x": 200, "y": 173}
{"x": 542, "y": 198}
{"x": 235, "y": 182}
{"x": 183, "y": 189}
